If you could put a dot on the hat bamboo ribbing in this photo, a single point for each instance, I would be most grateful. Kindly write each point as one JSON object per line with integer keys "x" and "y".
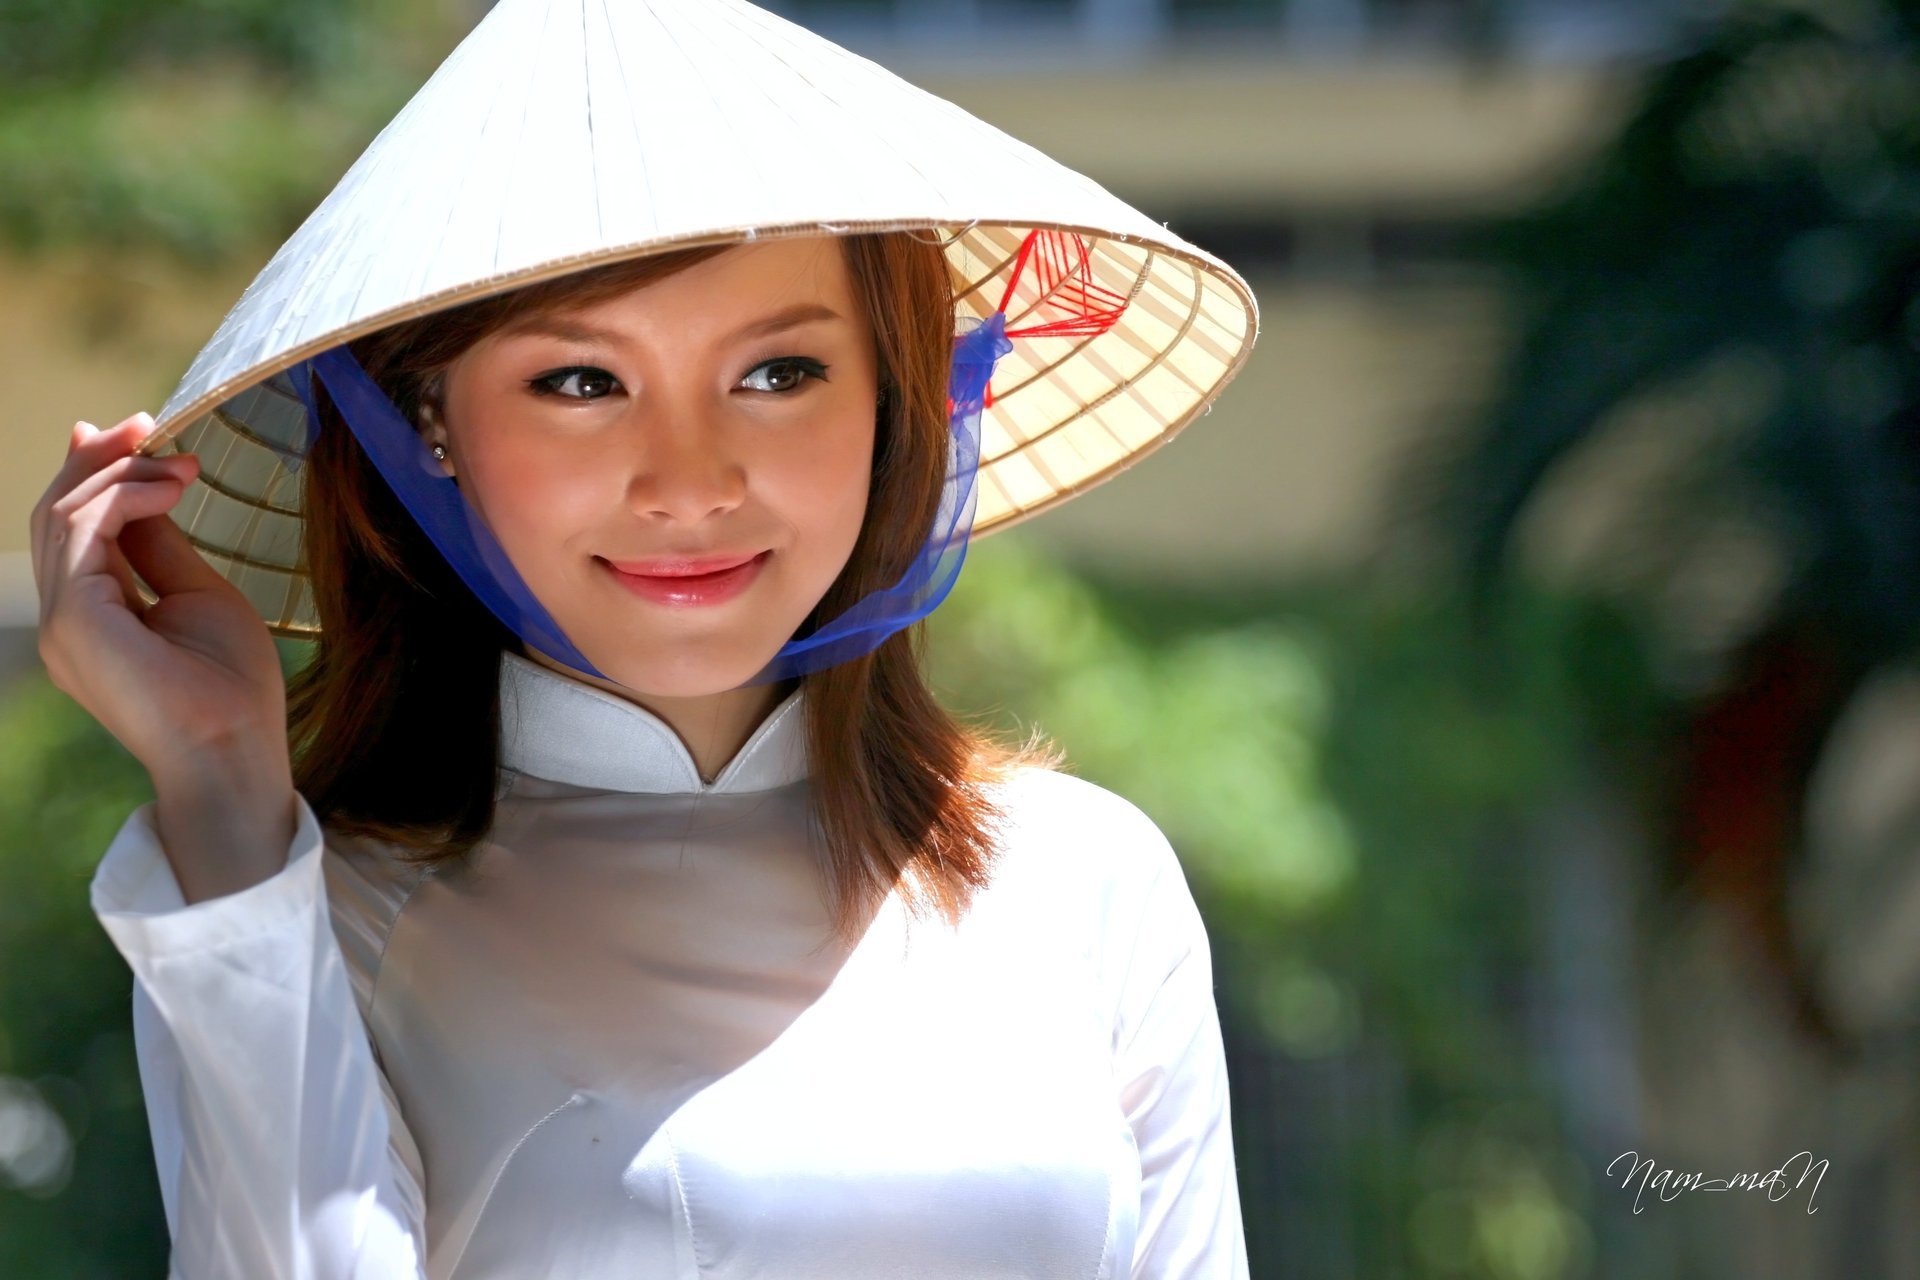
{"x": 565, "y": 134}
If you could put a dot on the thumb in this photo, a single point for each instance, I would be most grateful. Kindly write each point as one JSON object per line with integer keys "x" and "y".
{"x": 159, "y": 551}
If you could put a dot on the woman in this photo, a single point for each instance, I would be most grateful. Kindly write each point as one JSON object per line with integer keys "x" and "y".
{"x": 608, "y": 895}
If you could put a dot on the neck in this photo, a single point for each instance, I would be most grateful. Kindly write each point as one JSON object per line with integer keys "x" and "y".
{"x": 713, "y": 726}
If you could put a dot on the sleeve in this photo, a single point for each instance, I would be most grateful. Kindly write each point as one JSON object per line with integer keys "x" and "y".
{"x": 279, "y": 1144}
{"x": 1172, "y": 1072}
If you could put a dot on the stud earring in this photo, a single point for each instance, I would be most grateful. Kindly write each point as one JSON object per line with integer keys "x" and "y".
{"x": 440, "y": 451}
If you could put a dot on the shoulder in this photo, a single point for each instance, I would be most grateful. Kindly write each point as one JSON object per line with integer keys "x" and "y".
{"x": 1072, "y": 845}
{"x": 1079, "y": 821}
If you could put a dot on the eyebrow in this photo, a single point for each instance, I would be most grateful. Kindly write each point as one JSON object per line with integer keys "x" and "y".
{"x": 568, "y": 329}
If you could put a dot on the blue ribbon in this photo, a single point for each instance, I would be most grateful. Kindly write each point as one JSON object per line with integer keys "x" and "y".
{"x": 442, "y": 511}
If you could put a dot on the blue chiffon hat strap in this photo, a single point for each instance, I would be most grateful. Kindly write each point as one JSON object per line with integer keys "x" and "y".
{"x": 443, "y": 513}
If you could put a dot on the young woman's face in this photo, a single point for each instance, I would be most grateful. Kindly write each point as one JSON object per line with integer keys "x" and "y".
{"x": 677, "y": 422}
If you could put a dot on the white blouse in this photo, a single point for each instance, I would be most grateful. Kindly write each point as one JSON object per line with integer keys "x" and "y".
{"x": 619, "y": 1042}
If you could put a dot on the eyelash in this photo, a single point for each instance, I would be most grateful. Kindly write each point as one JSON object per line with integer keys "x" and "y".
{"x": 544, "y": 384}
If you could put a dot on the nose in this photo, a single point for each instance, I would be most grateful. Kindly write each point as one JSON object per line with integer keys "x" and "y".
{"x": 684, "y": 470}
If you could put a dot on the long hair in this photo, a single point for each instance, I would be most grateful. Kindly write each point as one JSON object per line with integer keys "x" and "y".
{"x": 394, "y": 722}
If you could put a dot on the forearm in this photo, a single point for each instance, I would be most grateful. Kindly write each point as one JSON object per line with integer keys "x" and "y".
{"x": 278, "y": 1146}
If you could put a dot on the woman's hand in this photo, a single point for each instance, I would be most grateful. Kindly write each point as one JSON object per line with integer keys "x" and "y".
{"x": 191, "y": 685}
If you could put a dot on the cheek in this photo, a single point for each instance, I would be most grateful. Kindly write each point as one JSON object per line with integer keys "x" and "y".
{"x": 822, "y": 489}
{"x": 533, "y": 496}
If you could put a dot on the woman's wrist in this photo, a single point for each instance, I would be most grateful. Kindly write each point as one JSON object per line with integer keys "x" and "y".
{"x": 225, "y": 827}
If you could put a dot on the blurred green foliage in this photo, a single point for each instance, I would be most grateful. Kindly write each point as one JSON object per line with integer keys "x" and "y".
{"x": 1738, "y": 274}
{"x": 46, "y": 43}
{"x": 197, "y": 128}
{"x": 111, "y": 167}
{"x": 78, "y": 1195}
{"x": 1342, "y": 771}
{"x": 1241, "y": 709}
{"x": 1338, "y": 764}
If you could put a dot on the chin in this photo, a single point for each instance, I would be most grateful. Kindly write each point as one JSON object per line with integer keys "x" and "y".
{"x": 695, "y": 672}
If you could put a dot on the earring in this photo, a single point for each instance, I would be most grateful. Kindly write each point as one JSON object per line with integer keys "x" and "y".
{"x": 440, "y": 451}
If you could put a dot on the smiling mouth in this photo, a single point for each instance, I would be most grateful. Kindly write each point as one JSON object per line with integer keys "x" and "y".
{"x": 686, "y": 589}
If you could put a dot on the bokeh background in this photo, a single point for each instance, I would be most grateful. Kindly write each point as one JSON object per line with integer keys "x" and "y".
{"x": 1519, "y": 655}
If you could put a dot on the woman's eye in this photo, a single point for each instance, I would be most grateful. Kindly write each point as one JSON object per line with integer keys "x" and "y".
{"x": 579, "y": 377}
{"x": 585, "y": 382}
{"x": 790, "y": 373}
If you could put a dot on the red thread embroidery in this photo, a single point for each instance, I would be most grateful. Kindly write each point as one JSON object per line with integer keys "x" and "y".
{"x": 1062, "y": 271}
{"x": 1070, "y": 303}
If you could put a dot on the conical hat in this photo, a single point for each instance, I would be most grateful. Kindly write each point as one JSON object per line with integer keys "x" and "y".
{"x": 563, "y": 134}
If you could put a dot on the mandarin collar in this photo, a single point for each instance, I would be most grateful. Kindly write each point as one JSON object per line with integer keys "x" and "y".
{"x": 555, "y": 727}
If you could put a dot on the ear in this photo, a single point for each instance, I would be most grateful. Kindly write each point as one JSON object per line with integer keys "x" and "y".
{"x": 434, "y": 432}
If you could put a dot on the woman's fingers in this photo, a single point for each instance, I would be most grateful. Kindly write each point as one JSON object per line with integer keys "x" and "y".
{"x": 120, "y": 470}
{"x": 88, "y": 450}
{"x": 78, "y": 523}
{"x": 81, "y": 585}
{"x": 161, "y": 552}
{"x": 95, "y": 525}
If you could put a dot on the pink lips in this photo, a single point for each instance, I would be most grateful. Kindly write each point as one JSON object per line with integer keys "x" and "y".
{"x": 712, "y": 580}
{"x": 678, "y": 566}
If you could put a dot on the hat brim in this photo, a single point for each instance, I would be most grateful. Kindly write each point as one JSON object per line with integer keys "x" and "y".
{"x": 1068, "y": 413}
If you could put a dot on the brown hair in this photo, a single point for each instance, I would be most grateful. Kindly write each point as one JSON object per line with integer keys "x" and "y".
{"x": 394, "y": 722}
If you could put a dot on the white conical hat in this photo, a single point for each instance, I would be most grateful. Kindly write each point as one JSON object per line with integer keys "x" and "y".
{"x": 657, "y": 124}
